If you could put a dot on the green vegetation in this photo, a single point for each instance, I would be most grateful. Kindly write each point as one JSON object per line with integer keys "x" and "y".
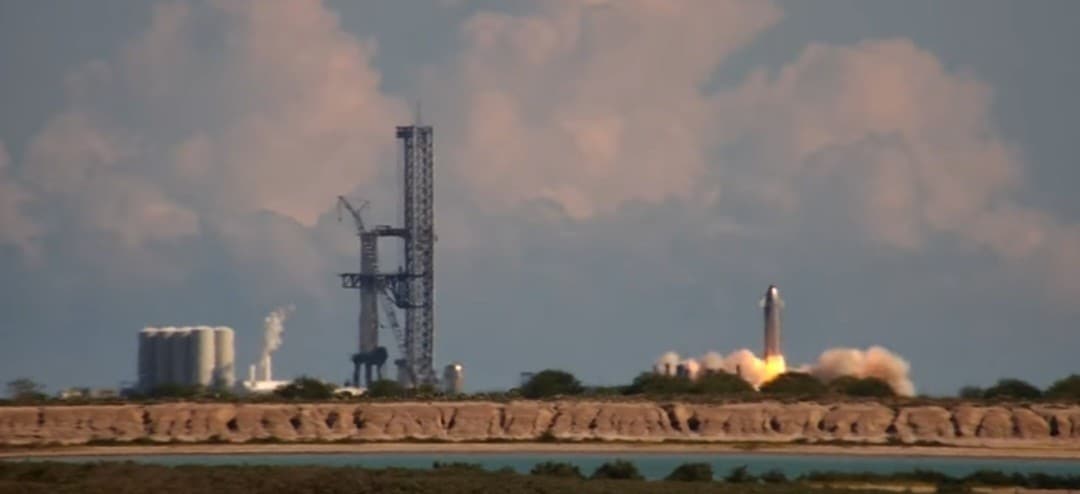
{"x": 691, "y": 472}
{"x": 710, "y": 386}
{"x": 454, "y": 477}
{"x": 457, "y": 465}
{"x": 709, "y": 383}
{"x": 971, "y": 392}
{"x": 24, "y": 389}
{"x": 617, "y": 470}
{"x": 550, "y": 383}
{"x": 740, "y": 475}
{"x": 386, "y": 388}
{"x": 557, "y": 469}
{"x": 306, "y": 388}
{"x": 867, "y": 387}
{"x": 946, "y": 483}
{"x": 1012, "y": 388}
{"x": 1066, "y": 388}
{"x": 774, "y": 477}
{"x": 794, "y": 384}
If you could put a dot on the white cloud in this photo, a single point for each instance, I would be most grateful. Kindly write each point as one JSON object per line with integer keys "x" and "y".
{"x": 15, "y": 227}
{"x": 903, "y": 146}
{"x": 591, "y": 104}
{"x": 228, "y": 109}
{"x": 219, "y": 110}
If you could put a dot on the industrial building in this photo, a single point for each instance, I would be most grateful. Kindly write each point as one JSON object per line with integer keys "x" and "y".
{"x": 186, "y": 356}
{"x": 261, "y": 379}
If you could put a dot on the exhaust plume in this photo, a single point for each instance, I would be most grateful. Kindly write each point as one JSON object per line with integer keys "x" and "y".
{"x": 875, "y": 361}
{"x": 273, "y": 327}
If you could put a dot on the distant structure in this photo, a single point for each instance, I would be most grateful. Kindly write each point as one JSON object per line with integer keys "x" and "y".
{"x": 454, "y": 378}
{"x": 187, "y": 356}
{"x": 412, "y": 288}
{"x": 261, "y": 381}
{"x": 772, "y": 304}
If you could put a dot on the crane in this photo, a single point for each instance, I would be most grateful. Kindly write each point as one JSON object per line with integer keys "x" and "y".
{"x": 370, "y": 356}
{"x": 358, "y": 219}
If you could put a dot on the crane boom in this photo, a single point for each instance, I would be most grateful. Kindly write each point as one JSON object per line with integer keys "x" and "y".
{"x": 355, "y": 212}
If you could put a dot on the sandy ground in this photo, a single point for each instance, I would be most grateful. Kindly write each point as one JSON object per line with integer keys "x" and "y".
{"x": 505, "y": 448}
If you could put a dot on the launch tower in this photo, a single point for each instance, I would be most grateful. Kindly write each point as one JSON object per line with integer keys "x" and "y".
{"x": 412, "y": 288}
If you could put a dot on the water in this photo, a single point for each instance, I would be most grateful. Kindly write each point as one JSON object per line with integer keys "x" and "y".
{"x": 651, "y": 465}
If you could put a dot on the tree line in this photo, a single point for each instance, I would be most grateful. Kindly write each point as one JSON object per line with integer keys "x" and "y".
{"x": 553, "y": 383}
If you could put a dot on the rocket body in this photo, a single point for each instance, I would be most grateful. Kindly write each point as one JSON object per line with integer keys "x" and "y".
{"x": 771, "y": 304}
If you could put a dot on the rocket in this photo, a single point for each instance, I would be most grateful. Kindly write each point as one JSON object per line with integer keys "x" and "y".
{"x": 771, "y": 304}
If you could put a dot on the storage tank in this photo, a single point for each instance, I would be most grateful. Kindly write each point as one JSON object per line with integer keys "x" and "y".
{"x": 163, "y": 352}
{"x": 146, "y": 365}
{"x": 201, "y": 363}
{"x": 454, "y": 378}
{"x": 179, "y": 348}
{"x": 224, "y": 358}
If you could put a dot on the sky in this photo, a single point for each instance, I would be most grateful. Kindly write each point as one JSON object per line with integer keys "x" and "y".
{"x": 615, "y": 179}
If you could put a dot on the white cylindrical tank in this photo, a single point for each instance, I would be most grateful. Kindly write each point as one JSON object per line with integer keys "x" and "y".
{"x": 181, "y": 356}
{"x": 224, "y": 358}
{"x": 146, "y": 359}
{"x": 163, "y": 352}
{"x": 202, "y": 354}
{"x": 454, "y": 378}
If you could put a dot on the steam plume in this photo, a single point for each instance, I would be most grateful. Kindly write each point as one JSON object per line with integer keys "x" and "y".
{"x": 273, "y": 327}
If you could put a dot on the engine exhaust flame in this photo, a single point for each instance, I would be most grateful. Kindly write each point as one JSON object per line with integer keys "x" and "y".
{"x": 875, "y": 361}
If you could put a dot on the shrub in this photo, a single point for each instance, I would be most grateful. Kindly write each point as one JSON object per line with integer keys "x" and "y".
{"x": 457, "y": 465}
{"x": 25, "y": 389}
{"x": 385, "y": 388}
{"x": 794, "y": 383}
{"x": 618, "y": 469}
{"x": 692, "y": 472}
{"x": 551, "y": 382}
{"x": 1012, "y": 388}
{"x": 557, "y": 469}
{"x": 972, "y": 392}
{"x": 869, "y": 387}
{"x": 650, "y": 383}
{"x": 1068, "y": 387}
{"x": 720, "y": 382}
{"x": 774, "y": 477}
{"x": 740, "y": 475}
{"x": 177, "y": 391}
{"x": 306, "y": 388}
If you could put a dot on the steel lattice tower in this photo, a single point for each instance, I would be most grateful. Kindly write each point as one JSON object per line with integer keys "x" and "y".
{"x": 419, "y": 160}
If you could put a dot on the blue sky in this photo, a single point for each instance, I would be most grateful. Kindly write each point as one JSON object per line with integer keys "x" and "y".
{"x": 615, "y": 179}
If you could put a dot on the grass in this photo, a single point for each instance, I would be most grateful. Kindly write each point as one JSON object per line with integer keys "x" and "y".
{"x": 616, "y": 476}
{"x": 133, "y": 478}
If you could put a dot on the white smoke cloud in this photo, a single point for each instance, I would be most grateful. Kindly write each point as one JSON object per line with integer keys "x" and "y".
{"x": 273, "y": 327}
{"x": 875, "y": 362}
{"x": 667, "y": 364}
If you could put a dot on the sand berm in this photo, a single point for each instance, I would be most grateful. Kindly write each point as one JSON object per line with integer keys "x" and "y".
{"x": 1045, "y": 426}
